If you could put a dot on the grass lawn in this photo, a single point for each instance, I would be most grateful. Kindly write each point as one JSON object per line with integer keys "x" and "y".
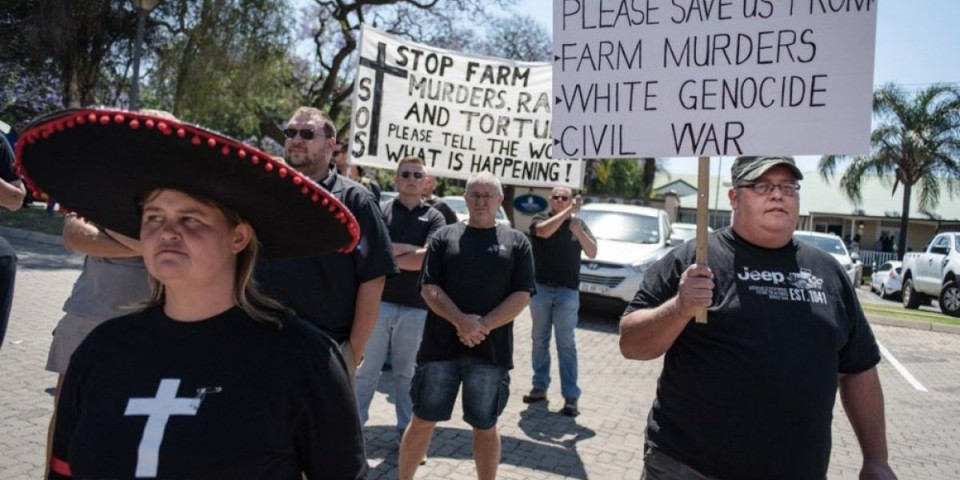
{"x": 33, "y": 218}
{"x": 897, "y": 311}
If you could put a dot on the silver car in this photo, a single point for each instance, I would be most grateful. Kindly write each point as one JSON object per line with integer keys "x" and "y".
{"x": 833, "y": 245}
{"x": 629, "y": 239}
{"x": 886, "y": 281}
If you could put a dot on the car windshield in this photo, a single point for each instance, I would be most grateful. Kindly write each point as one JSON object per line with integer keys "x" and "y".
{"x": 622, "y": 226}
{"x": 833, "y": 245}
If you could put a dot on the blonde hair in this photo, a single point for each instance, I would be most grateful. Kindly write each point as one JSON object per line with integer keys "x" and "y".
{"x": 246, "y": 291}
{"x": 411, "y": 159}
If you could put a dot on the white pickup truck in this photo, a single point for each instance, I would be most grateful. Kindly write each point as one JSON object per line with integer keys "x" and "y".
{"x": 934, "y": 274}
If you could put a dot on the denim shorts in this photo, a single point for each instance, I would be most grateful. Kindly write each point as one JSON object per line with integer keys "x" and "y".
{"x": 486, "y": 388}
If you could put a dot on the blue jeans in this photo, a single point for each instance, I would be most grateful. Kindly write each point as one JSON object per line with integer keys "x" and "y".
{"x": 555, "y": 308}
{"x": 398, "y": 331}
{"x": 486, "y": 388}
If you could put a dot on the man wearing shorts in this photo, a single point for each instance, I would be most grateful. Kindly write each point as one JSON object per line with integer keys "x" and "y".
{"x": 476, "y": 278}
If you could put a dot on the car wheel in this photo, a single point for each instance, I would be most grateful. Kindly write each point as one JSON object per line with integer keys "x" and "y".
{"x": 950, "y": 299}
{"x": 911, "y": 298}
{"x": 883, "y": 291}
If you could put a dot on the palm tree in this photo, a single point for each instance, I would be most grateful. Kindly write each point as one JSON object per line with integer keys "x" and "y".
{"x": 916, "y": 142}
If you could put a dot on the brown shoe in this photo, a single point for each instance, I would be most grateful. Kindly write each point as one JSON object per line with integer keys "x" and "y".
{"x": 535, "y": 395}
{"x": 570, "y": 407}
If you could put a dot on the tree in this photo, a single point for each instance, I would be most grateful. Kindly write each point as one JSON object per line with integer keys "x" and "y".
{"x": 518, "y": 38}
{"x": 73, "y": 40}
{"x": 335, "y": 28}
{"x": 916, "y": 143}
{"x": 224, "y": 63}
{"x": 26, "y": 93}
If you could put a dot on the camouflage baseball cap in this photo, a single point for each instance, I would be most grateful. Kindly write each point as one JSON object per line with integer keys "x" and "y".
{"x": 751, "y": 168}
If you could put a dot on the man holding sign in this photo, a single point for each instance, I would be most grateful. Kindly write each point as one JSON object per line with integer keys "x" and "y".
{"x": 750, "y": 394}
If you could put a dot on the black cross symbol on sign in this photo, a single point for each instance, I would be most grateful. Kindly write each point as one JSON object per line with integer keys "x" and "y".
{"x": 380, "y": 65}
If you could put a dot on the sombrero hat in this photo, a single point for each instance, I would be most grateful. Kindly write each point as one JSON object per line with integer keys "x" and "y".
{"x": 100, "y": 163}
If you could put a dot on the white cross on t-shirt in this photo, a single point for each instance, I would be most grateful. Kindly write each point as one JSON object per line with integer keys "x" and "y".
{"x": 158, "y": 410}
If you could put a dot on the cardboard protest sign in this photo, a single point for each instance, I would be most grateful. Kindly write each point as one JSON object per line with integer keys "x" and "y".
{"x": 645, "y": 78}
{"x": 460, "y": 113}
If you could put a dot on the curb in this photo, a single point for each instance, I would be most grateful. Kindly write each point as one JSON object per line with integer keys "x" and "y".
{"x": 28, "y": 236}
{"x": 913, "y": 324}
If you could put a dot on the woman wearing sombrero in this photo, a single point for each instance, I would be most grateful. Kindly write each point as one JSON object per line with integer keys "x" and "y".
{"x": 212, "y": 379}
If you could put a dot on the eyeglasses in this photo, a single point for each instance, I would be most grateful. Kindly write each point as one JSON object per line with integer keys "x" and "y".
{"x": 484, "y": 197}
{"x": 305, "y": 133}
{"x": 417, "y": 175}
{"x": 562, "y": 198}
{"x": 766, "y": 188}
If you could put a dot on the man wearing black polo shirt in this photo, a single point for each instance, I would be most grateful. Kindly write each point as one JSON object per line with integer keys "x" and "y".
{"x": 12, "y": 192}
{"x": 557, "y": 238}
{"x": 340, "y": 293}
{"x": 402, "y": 312}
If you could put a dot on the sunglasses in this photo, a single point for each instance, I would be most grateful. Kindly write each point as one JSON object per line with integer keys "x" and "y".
{"x": 305, "y": 133}
{"x": 562, "y": 198}
{"x": 417, "y": 175}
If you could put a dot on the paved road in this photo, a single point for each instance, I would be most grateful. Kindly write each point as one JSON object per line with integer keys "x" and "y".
{"x": 603, "y": 443}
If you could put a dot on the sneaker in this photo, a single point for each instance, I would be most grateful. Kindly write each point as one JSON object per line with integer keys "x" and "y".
{"x": 570, "y": 407}
{"x": 535, "y": 395}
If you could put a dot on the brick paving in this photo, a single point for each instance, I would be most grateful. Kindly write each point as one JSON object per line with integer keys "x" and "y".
{"x": 605, "y": 442}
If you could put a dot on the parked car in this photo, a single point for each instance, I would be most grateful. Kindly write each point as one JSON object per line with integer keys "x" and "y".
{"x": 933, "y": 274}
{"x": 629, "y": 240}
{"x": 886, "y": 280}
{"x": 459, "y": 206}
{"x": 833, "y": 245}
{"x": 684, "y": 231}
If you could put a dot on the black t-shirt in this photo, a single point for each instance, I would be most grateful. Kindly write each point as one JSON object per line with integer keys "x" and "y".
{"x": 410, "y": 227}
{"x": 477, "y": 268}
{"x": 557, "y": 258}
{"x": 7, "y": 171}
{"x": 249, "y": 400}
{"x": 750, "y": 394}
{"x": 449, "y": 216}
{"x": 323, "y": 289}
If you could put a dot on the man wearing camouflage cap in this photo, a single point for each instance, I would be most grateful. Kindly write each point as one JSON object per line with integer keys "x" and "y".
{"x": 750, "y": 394}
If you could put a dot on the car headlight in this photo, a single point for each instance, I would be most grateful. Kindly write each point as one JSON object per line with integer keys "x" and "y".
{"x": 642, "y": 265}
{"x": 849, "y": 267}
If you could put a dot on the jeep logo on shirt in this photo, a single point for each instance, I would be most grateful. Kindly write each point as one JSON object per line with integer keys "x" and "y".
{"x": 755, "y": 275}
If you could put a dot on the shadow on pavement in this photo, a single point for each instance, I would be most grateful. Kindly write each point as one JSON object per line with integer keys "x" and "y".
{"x": 554, "y": 450}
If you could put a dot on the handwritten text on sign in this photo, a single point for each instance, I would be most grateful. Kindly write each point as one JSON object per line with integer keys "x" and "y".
{"x": 461, "y": 114}
{"x": 644, "y": 78}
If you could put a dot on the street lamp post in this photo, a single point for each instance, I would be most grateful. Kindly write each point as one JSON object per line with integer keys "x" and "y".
{"x": 143, "y": 9}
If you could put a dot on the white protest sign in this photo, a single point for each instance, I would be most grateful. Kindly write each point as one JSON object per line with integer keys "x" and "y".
{"x": 646, "y": 78}
{"x": 460, "y": 113}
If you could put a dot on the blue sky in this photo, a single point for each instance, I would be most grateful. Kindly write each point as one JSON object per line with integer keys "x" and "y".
{"x": 918, "y": 43}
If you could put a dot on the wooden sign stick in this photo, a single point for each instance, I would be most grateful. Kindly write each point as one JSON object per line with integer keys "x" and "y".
{"x": 703, "y": 190}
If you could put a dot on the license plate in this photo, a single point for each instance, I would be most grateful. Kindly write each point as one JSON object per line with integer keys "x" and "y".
{"x": 594, "y": 288}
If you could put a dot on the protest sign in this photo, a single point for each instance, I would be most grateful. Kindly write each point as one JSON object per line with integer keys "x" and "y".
{"x": 647, "y": 78}
{"x": 460, "y": 113}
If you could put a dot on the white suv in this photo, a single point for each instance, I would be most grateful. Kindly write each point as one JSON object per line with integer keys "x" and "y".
{"x": 629, "y": 239}
{"x": 833, "y": 245}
